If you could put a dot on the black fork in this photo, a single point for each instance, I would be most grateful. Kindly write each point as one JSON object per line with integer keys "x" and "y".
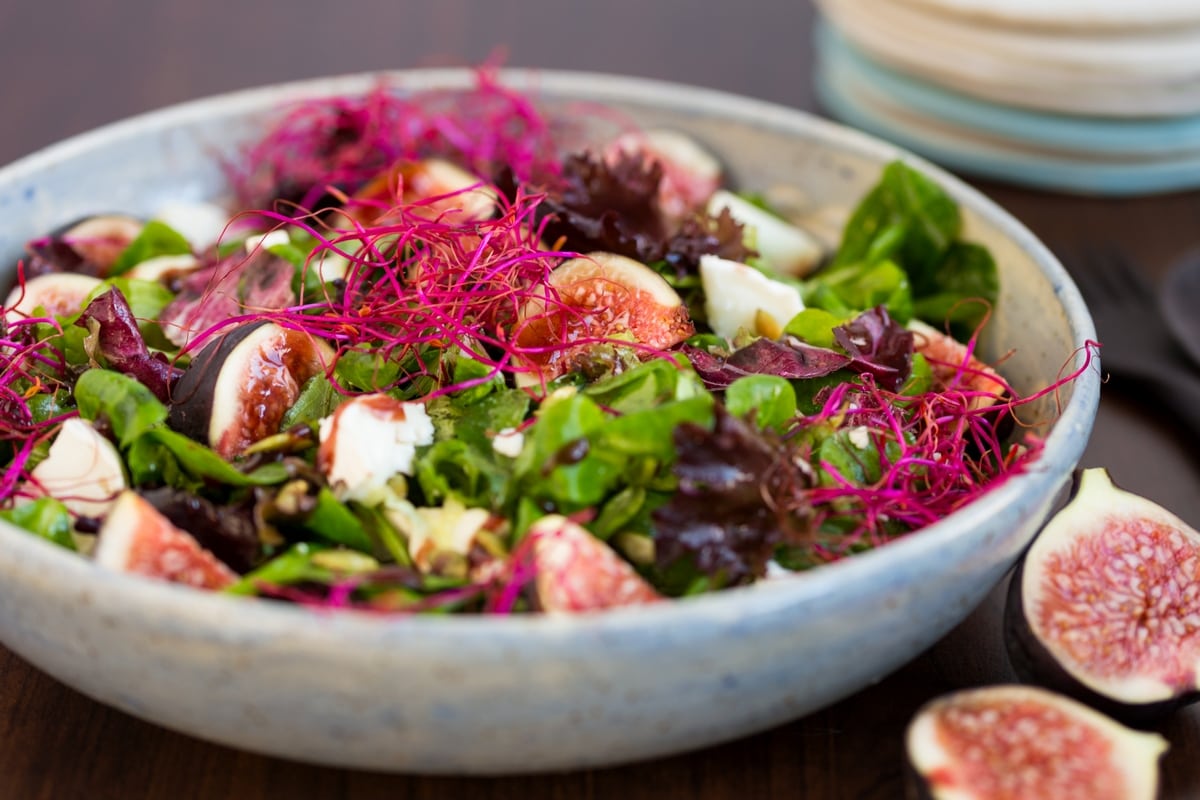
{"x": 1136, "y": 347}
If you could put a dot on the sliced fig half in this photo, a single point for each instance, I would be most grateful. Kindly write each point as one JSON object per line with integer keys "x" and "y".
{"x": 1106, "y": 604}
{"x": 597, "y": 299}
{"x": 1026, "y": 743}
{"x": 136, "y": 538}
{"x": 578, "y": 572}
{"x": 237, "y": 389}
{"x": 432, "y": 187}
{"x": 88, "y": 246}
{"x": 955, "y": 368}
{"x": 59, "y": 293}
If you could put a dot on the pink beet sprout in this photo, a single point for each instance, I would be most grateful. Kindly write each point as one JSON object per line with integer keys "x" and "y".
{"x": 344, "y": 142}
{"x": 28, "y": 367}
{"x": 938, "y": 451}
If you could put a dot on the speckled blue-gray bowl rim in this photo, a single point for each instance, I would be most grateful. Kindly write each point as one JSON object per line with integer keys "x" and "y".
{"x": 229, "y": 620}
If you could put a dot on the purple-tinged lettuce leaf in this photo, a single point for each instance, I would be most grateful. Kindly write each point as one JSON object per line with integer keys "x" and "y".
{"x": 598, "y": 204}
{"x": 229, "y": 531}
{"x": 789, "y": 358}
{"x": 114, "y": 336}
{"x": 878, "y": 345}
{"x": 608, "y": 206}
{"x": 740, "y": 496}
{"x": 701, "y": 235}
{"x": 873, "y": 343}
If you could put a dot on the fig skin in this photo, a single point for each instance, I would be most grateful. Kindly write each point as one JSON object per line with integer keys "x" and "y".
{"x": 1034, "y": 661}
{"x": 984, "y": 743}
{"x": 196, "y": 408}
{"x": 192, "y": 396}
{"x": 101, "y": 238}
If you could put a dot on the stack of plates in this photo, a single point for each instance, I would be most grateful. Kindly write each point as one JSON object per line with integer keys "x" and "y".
{"x": 1098, "y": 96}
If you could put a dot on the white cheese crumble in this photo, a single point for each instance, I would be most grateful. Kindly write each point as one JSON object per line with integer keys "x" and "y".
{"x": 153, "y": 269}
{"x": 369, "y": 440}
{"x": 450, "y": 528}
{"x": 508, "y": 442}
{"x": 200, "y": 223}
{"x": 860, "y": 437}
{"x": 266, "y": 240}
{"x": 734, "y": 293}
{"x": 82, "y": 469}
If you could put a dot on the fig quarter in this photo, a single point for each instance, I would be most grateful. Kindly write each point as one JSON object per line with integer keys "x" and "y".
{"x": 1106, "y": 603}
{"x": 237, "y": 388}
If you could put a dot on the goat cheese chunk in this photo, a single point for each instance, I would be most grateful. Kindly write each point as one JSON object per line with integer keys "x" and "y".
{"x": 786, "y": 249}
{"x": 735, "y": 293}
{"x": 82, "y": 469}
{"x": 200, "y": 223}
{"x": 369, "y": 440}
{"x": 509, "y": 442}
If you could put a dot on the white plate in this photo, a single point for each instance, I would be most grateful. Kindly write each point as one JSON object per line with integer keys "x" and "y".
{"x": 1121, "y": 15}
{"x": 967, "y": 149}
{"x": 1131, "y": 81}
{"x": 1095, "y": 137}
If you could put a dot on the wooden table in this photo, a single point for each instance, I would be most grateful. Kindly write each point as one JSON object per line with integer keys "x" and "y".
{"x": 68, "y": 70}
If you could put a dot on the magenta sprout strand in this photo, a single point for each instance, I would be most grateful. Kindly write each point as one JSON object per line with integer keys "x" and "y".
{"x": 445, "y": 283}
{"x": 949, "y": 454}
{"x": 520, "y": 571}
{"x": 28, "y": 366}
{"x": 347, "y": 141}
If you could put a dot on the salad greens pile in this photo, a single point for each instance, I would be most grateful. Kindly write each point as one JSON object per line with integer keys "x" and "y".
{"x": 438, "y": 361}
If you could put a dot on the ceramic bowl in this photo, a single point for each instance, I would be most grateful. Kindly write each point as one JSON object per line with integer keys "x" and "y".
{"x": 521, "y": 694}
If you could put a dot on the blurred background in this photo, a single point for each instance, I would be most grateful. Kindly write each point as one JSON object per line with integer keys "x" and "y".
{"x": 71, "y": 66}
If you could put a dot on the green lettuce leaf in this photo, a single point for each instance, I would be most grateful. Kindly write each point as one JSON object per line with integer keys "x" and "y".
{"x": 46, "y": 517}
{"x": 156, "y": 239}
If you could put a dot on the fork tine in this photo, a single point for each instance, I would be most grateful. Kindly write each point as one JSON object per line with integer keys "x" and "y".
{"x": 1106, "y": 277}
{"x": 1128, "y": 278}
{"x": 1091, "y": 281}
{"x": 1100, "y": 272}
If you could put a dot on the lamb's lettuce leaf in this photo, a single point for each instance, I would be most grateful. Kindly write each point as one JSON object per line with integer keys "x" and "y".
{"x": 46, "y": 517}
{"x": 902, "y": 248}
{"x": 906, "y": 217}
{"x": 770, "y": 399}
{"x": 156, "y": 239}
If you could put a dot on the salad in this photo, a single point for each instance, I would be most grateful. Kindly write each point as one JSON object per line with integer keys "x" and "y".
{"x": 440, "y": 355}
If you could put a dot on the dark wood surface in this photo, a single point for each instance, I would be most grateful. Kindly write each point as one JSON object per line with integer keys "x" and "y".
{"x": 70, "y": 66}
